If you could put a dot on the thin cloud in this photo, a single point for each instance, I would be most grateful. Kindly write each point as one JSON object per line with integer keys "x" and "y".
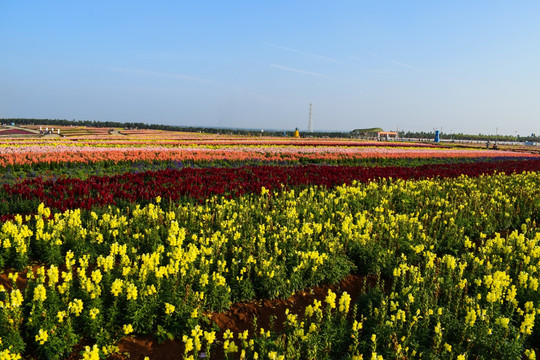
{"x": 325, "y": 58}
{"x": 375, "y": 71}
{"x": 396, "y": 62}
{"x": 167, "y": 75}
{"x": 299, "y": 71}
{"x": 195, "y": 79}
{"x": 404, "y": 65}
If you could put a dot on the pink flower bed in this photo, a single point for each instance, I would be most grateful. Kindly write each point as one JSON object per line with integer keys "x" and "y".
{"x": 33, "y": 154}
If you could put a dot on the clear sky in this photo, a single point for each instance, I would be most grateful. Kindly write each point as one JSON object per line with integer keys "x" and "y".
{"x": 459, "y": 66}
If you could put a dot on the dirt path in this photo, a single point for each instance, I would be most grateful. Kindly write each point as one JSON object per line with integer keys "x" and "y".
{"x": 115, "y": 132}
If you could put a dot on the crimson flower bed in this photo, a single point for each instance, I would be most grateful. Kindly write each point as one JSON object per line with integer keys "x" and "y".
{"x": 173, "y": 184}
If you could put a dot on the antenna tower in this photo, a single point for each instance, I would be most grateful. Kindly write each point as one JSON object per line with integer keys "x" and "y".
{"x": 310, "y": 123}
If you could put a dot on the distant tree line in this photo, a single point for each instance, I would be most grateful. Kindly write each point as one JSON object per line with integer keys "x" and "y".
{"x": 137, "y": 125}
{"x": 252, "y": 132}
{"x": 460, "y": 136}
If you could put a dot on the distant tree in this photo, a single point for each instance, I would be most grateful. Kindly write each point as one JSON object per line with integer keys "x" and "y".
{"x": 133, "y": 125}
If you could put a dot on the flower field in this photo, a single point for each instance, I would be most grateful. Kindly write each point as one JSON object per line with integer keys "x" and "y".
{"x": 40, "y": 152}
{"x": 114, "y": 240}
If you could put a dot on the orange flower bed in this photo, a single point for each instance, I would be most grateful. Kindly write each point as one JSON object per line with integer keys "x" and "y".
{"x": 59, "y": 154}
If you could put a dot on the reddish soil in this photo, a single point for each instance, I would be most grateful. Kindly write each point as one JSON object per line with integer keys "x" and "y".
{"x": 21, "y": 279}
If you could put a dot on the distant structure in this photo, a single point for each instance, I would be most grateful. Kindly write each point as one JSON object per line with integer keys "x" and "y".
{"x": 437, "y": 136}
{"x": 371, "y": 133}
{"x": 387, "y": 135}
{"x": 310, "y": 123}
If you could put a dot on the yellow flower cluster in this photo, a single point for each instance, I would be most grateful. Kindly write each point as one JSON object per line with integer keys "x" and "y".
{"x": 169, "y": 309}
{"x": 128, "y": 329}
{"x": 42, "y": 336}
{"x": 91, "y": 353}
{"x": 6, "y": 354}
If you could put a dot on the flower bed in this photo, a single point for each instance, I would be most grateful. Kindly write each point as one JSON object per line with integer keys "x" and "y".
{"x": 173, "y": 184}
{"x": 165, "y": 247}
{"x": 450, "y": 284}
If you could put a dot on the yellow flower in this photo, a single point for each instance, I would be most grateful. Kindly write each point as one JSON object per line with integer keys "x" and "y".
{"x": 61, "y": 315}
{"x": 331, "y": 299}
{"x": 209, "y": 337}
{"x": 357, "y": 326}
{"x": 189, "y": 344}
{"x": 116, "y": 287}
{"x": 438, "y": 330}
{"x": 76, "y": 307}
{"x": 470, "y": 319}
{"x": 40, "y": 293}
{"x": 527, "y": 324}
{"x": 196, "y": 332}
{"x": 7, "y": 355}
{"x": 228, "y": 334}
{"x": 96, "y": 276}
{"x": 93, "y": 313}
{"x": 503, "y": 322}
{"x": 69, "y": 260}
{"x": 16, "y": 298}
{"x": 204, "y": 280}
{"x": 243, "y": 335}
{"x": 344, "y": 302}
{"x": 42, "y": 336}
{"x": 128, "y": 329}
{"x": 169, "y": 309}
{"x": 53, "y": 274}
{"x": 91, "y": 353}
{"x": 229, "y": 346}
{"x": 131, "y": 291}
{"x": 530, "y": 354}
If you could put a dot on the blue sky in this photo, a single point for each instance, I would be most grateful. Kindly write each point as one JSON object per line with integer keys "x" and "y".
{"x": 459, "y": 66}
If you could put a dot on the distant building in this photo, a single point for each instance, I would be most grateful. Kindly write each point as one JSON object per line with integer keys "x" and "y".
{"x": 366, "y": 133}
{"x": 387, "y": 135}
